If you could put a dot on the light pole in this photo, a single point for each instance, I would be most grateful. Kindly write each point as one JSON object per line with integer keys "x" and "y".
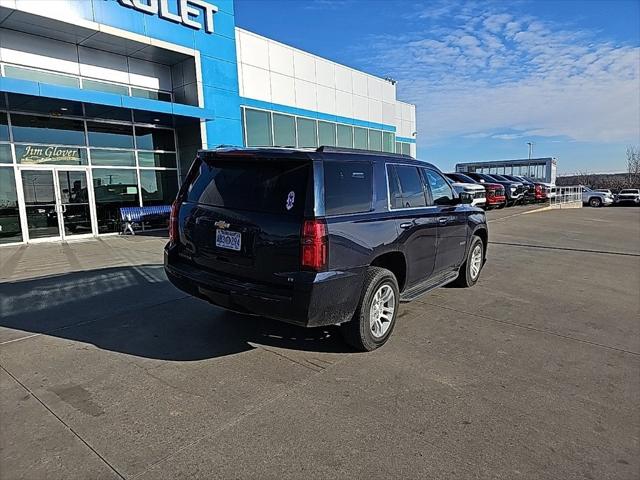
{"x": 530, "y": 149}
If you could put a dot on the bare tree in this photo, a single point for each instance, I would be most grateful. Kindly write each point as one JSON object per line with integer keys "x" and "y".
{"x": 633, "y": 166}
{"x": 583, "y": 177}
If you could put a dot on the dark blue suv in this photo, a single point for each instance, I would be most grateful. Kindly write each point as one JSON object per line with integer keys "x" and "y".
{"x": 321, "y": 237}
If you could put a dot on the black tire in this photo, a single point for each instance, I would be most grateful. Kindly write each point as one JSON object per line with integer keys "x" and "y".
{"x": 595, "y": 202}
{"x": 357, "y": 332}
{"x": 466, "y": 278}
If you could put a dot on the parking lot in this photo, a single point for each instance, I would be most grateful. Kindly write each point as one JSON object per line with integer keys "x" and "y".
{"x": 110, "y": 372}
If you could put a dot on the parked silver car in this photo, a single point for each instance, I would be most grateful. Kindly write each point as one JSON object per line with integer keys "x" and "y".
{"x": 594, "y": 198}
{"x": 629, "y": 195}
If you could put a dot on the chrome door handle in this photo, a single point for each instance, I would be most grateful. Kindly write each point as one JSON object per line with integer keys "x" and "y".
{"x": 406, "y": 225}
{"x": 443, "y": 220}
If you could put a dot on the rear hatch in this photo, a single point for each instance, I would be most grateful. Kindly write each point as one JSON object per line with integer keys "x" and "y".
{"x": 243, "y": 214}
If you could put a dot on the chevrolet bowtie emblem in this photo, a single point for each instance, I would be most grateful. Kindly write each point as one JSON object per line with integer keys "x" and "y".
{"x": 221, "y": 224}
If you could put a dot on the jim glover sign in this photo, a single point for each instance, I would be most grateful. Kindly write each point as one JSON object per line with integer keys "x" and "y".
{"x": 189, "y": 11}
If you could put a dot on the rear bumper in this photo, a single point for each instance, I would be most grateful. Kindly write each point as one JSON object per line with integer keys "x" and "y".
{"x": 311, "y": 300}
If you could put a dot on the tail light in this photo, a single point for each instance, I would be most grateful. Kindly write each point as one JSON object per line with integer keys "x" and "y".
{"x": 173, "y": 221}
{"x": 314, "y": 245}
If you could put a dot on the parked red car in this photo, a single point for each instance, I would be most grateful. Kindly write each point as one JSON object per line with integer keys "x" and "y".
{"x": 495, "y": 195}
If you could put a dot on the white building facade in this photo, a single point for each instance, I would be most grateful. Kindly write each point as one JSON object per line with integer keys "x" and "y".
{"x": 104, "y": 104}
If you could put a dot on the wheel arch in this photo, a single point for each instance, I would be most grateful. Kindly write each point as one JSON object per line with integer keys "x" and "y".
{"x": 483, "y": 233}
{"x": 396, "y": 263}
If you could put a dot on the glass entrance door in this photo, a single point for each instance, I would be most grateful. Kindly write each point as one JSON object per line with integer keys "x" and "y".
{"x": 41, "y": 204}
{"x": 57, "y": 203}
{"x": 74, "y": 203}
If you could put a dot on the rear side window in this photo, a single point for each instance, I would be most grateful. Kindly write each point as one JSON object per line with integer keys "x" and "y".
{"x": 405, "y": 187}
{"x": 348, "y": 187}
{"x": 270, "y": 186}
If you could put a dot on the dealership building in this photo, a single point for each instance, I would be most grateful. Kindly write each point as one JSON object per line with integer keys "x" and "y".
{"x": 104, "y": 104}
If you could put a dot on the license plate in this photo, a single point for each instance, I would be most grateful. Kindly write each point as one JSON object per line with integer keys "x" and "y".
{"x": 228, "y": 240}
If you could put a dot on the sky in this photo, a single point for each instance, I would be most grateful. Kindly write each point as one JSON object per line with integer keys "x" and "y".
{"x": 486, "y": 76}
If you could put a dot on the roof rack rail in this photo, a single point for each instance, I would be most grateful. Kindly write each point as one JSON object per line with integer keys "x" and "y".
{"x": 330, "y": 149}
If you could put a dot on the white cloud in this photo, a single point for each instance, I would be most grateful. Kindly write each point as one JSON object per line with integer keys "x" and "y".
{"x": 507, "y": 136}
{"x": 486, "y": 72}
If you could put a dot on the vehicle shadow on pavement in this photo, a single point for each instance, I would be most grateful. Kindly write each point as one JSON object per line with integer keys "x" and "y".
{"x": 135, "y": 310}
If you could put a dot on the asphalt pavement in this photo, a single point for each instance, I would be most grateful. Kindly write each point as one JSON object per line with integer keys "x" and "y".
{"x": 107, "y": 371}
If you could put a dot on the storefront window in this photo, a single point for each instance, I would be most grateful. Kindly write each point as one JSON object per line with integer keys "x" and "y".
{"x": 398, "y": 147}
{"x": 258, "y": 128}
{"x": 50, "y": 155}
{"x": 47, "y": 106}
{"x": 5, "y": 153}
{"x": 38, "y": 76}
{"x": 43, "y": 130}
{"x": 375, "y": 140}
{"x": 159, "y": 187}
{"x": 360, "y": 138}
{"x": 155, "y": 139}
{"x": 388, "y": 141}
{"x": 105, "y": 87}
{"x": 406, "y": 149}
{"x": 345, "y": 136}
{"x": 117, "y": 158}
{"x": 113, "y": 188}
{"x": 107, "y": 112}
{"x": 327, "y": 134}
{"x": 110, "y": 135}
{"x": 151, "y": 94}
{"x": 307, "y": 133}
{"x": 10, "y": 230}
{"x": 4, "y": 127}
{"x": 284, "y": 130}
{"x": 154, "y": 159}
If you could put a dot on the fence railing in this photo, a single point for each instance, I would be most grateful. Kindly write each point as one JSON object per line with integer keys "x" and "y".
{"x": 566, "y": 197}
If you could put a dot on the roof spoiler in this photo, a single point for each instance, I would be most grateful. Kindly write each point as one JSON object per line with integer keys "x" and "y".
{"x": 357, "y": 151}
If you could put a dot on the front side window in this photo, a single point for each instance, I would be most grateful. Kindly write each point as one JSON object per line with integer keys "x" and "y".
{"x": 348, "y": 187}
{"x": 441, "y": 192}
{"x": 405, "y": 187}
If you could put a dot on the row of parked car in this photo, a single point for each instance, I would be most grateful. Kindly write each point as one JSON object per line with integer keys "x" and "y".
{"x": 604, "y": 197}
{"x": 498, "y": 191}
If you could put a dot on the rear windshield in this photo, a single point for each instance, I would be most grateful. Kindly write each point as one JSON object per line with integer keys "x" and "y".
{"x": 348, "y": 187}
{"x": 271, "y": 186}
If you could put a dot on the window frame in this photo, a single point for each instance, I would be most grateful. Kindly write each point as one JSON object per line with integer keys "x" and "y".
{"x": 425, "y": 191}
{"x": 425, "y": 179}
{"x": 370, "y": 208}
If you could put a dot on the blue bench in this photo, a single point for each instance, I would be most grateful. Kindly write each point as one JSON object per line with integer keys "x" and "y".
{"x": 131, "y": 217}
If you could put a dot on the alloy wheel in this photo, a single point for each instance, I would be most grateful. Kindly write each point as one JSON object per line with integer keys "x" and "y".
{"x": 381, "y": 312}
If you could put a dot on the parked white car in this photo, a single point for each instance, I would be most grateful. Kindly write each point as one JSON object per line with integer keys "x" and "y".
{"x": 594, "y": 198}
{"x": 475, "y": 190}
{"x": 629, "y": 195}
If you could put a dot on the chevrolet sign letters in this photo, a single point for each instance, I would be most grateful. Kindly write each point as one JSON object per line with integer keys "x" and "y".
{"x": 187, "y": 11}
